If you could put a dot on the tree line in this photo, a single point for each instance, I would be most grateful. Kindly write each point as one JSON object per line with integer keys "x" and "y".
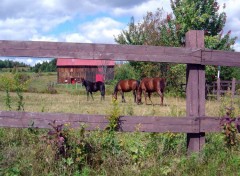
{"x": 45, "y": 66}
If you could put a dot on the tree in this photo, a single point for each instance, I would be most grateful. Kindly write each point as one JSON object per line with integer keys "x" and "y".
{"x": 204, "y": 15}
{"x": 154, "y": 30}
{"x": 199, "y": 15}
{"x": 45, "y": 66}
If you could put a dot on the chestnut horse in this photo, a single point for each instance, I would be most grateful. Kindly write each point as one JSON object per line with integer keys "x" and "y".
{"x": 126, "y": 85}
{"x": 94, "y": 87}
{"x": 149, "y": 85}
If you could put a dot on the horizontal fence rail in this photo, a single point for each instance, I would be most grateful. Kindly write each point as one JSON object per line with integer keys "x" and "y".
{"x": 118, "y": 52}
{"x": 17, "y": 119}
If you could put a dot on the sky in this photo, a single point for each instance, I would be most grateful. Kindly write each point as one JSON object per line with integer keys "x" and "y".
{"x": 86, "y": 21}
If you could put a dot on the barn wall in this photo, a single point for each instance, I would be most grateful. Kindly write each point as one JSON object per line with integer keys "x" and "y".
{"x": 87, "y": 72}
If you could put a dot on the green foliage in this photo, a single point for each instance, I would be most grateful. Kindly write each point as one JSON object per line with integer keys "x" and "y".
{"x": 205, "y": 15}
{"x": 153, "y": 30}
{"x": 160, "y": 31}
{"x": 11, "y": 64}
{"x": 45, "y": 66}
{"x": 219, "y": 42}
{"x": 176, "y": 75}
{"x": 113, "y": 117}
{"x": 7, "y": 89}
{"x": 125, "y": 71}
{"x": 230, "y": 124}
{"x": 198, "y": 15}
{"x": 14, "y": 82}
{"x": 26, "y": 153}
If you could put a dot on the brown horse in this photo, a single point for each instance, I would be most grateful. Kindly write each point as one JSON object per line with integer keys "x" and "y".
{"x": 149, "y": 85}
{"x": 126, "y": 85}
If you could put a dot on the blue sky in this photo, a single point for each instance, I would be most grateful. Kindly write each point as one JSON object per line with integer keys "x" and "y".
{"x": 85, "y": 21}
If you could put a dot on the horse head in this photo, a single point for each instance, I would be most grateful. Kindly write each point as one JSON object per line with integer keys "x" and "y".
{"x": 114, "y": 96}
{"x": 82, "y": 81}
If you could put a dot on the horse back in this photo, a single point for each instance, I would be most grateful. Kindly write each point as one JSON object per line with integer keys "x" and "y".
{"x": 99, "y": 86}
{"x": 153, "y": 84}
{"x": 127, "y": 85}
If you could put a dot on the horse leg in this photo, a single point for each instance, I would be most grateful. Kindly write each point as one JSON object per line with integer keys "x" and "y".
{"x": 161, "y": 97}
{"x": 102, "y": 96}
{"x": 91, "y": 95}
{"x": 123, "y": 99}
{"x": 87, "y": 95}
{"x": 145, "y": 95}
{"x": 134, "y": 95}
{"x": 149, "y": 95}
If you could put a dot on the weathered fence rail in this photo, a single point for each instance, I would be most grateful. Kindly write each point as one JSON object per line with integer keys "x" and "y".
{"x": 191, "y": 55}
{"x": 100, "y": 122}
{"x": 194, "y": 55}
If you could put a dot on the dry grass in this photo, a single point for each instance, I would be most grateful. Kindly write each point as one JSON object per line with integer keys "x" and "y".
{"x": 68, "y": 103}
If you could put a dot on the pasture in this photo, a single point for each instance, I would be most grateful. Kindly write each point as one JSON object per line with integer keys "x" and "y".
{"x": 32, "y": 152}
{"x": 73, "y": 99}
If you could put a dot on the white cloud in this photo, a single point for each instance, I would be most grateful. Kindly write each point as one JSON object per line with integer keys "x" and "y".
{"x": 101, "y": 30}
{"x": 76, "y": 37}
{"x": 139, "y": 11}
{"x": 237, "y": 47}
{"x": 37, "y": 20}
{"x": 44, "y": 38}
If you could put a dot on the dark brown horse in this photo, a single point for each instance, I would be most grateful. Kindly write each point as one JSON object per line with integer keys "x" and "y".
{"x": 94, "y": 87}
{"x": 150, "y": 85}
{"x": 126, "y": 85}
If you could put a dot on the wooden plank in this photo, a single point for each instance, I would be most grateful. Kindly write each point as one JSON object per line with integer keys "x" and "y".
{"x": 99, "y": 51}
{"x": 210, "y": 124}
{"x": 194, "y": 55}
{"x": 93, "y": 122}
{"x": 14, "y": 119}
{"x": 222, "y": 58}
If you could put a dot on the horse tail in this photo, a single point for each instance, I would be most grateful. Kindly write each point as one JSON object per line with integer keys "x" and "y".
{"x": 116, "y": 88}
{"x": 162, "y": 84}
{"x": 103, "y": 89}
{"x": 138, "y": 84}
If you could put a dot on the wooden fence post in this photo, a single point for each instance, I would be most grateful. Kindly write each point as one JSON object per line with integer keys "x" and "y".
{"x": 233, "y": 87}
{"x": 218, "y": 88}
{"x": 195, "y": 104}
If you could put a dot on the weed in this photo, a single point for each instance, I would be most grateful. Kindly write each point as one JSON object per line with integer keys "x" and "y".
{"x": 229, "y": 123}
{"x": 113, "y": 117}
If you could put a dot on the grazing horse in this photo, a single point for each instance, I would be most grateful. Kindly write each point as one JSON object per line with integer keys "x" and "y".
{"x": 149, "y": 85}
{"x": 126, "y": 85}
{"x": 94, "y": 87}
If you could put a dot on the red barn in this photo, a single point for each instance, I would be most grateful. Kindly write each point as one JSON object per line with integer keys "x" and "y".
{"x": 71, "y": 70}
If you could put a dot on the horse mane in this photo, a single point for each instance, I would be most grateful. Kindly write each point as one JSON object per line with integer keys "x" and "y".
{"x": 138, "y": 83}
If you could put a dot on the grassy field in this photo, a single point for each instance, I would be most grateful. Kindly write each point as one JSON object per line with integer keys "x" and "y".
{"x": 35, "y": 152}
{"x": 73, "y": 99}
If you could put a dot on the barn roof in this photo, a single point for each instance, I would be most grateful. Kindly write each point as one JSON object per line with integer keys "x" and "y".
{"x": 83, "y": 62}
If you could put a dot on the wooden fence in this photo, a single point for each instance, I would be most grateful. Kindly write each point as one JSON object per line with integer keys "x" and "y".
{"x": 221, "y": 87}
{"x": 217, "y": 88}
{"x": 195, "y": 124}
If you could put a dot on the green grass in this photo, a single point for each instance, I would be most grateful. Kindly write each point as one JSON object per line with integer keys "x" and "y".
{"x": 34, "y": 152}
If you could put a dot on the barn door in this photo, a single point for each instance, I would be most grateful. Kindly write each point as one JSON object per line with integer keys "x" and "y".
{"x": 90, "y": 76}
